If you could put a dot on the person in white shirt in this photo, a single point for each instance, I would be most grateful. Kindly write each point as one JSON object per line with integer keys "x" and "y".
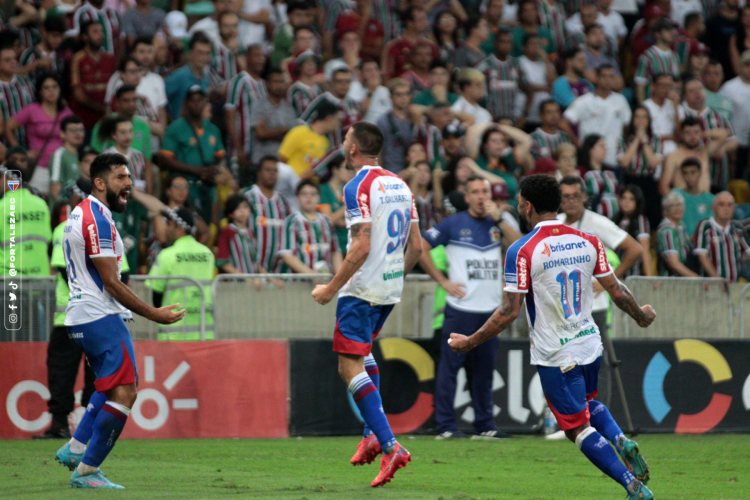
{"x": 681, "y": 8}
{"x": 376, "y": 98}
{"x": 663, "y": 106}
{"x": 210, "y": 24}
{"x": 466, "y": 108}
{"x": 600, "y": 112}
{"x": 540, "y": 73}
{"x": 613, "y": 24}
{"x": 737, "y": 90}
{"x": 256, "y": 19}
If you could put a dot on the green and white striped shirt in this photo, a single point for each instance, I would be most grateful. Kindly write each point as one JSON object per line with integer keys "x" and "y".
{"x": 503, "y": 79}
{"x": 243, "y": 91}
{"x": 671, "y": 239}
{"x": 543, "y": 145}
{"x": 300, "y": 96}
{"x": 314, "y": 242}
{"x": 725, "y": 246}
{"x": 267, "y": 223}
{"x": 654, "y": 62}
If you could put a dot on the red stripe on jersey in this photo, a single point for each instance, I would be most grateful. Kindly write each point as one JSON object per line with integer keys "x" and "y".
{"x": 363, "y": 192}
{"x": 89, "y": 229}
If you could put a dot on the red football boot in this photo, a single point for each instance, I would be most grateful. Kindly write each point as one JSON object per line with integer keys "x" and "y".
{"x": 389, "y": 464}
{"x": 367, "y": 450}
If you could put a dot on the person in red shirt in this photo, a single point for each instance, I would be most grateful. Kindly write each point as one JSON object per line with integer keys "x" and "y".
{"x": 370, "y": 29}
{"x": 397, "y": 54}
{"x": 90, "y": 70}
{"x": 642, "y": 36}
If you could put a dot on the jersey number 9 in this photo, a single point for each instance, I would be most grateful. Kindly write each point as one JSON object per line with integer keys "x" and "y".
{"x": 398, "y": 227}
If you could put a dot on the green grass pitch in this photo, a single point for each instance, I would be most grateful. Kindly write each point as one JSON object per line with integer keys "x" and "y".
{"x": 683, "y": 467}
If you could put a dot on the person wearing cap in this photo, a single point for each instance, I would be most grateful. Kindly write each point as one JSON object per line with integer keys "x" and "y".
{"x": 641, "y": 36}
{"x": 184, "y": 257}
{"x": 657, "y": 59}
{"x": 471, "y": 83}
{"x": 686, "y": 41}
{"x": 452, "y": 144}
{"x": 192, "y": 146}
{"x": 737, "y": 90}
{"x": 302, "y": 92}
{"x": 63, "y": 356}
{"x": 721, "y": 24}
{"x": 195, "y": 72}
{"x": 473, "y": 242}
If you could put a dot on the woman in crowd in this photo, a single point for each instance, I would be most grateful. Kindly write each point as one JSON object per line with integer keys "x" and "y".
{"x": 497, "y": 157}
{"x": 631, "y": 217}
{"x": 601, "y": 182}
{"x": 41, "y": 120}
{"x": 446, "y": 35}
{"x": 566, "y": 157}
{"x": 332, "y": 200}
{"x": 424, "y": 197}
{"x": 414, "y": 153}
{"x": 640, "y": 156}
{"x": 458, "y": 172}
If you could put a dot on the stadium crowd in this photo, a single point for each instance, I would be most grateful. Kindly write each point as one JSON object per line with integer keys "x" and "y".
{"x": 231, "y": 115}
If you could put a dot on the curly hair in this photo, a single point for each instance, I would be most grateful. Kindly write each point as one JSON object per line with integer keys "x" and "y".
{"x": 542, "y": 191}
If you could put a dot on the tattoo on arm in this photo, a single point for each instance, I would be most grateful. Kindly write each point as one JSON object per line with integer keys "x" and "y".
{"x": 356, "y": 229}
{"x": 500, "y": 319}
{"x": 625, "y": 300}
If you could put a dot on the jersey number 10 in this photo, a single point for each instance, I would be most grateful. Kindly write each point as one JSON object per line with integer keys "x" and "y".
{"x": 575, "y": 278}
{"x": 398, "y": 227}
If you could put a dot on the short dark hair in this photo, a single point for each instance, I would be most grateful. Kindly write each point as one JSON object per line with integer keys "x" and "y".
{"x": 233, "y": 203}
{"x": 324, "y": 110}
{"x": 304, "y": 183}
{"x": 272, "y": 71}
{"x": 368, "y": 138}
{"x": 591, "y": 27}
{"x": 55, "y": 24}
{"x": 303, "y": 28}
{"x": 691, "y": 121}
{"x": 408, "y": 15}
{"x": 692, "y": 18}
{"x": 569, "y": 53}
{"x": 689, "y": 79}
{"x": 43, "y": 77}
{"x": 545, "y": 103}
{"x": 340, "y": 69}
{"x": 68, "y": 120}
{"x": 529, "y": 36}
{"x": 474, "y": 178}
{"x": 86, "y": 25}
{"x": 265, "y": 159}
{"x": 102, "y": 165}
{"x": 602, "y": 67}
{"x": 8, "y": 38}
{"x": 199, "y": 37}
{"x": 109, "y": 126}
{"x": 143, "y": 39}
{"x": 124, "y": 63}
{"x": 572, "y": 180}
{"x": 691, "y": 162}
{"x": 124, "y": 90}
{"x": 542, "y": 191}
{"x": 86, "y": 151}
{"x": 293, "y": 5}
{"x": 663, "y": 75}
{"x": 471, "y": 24}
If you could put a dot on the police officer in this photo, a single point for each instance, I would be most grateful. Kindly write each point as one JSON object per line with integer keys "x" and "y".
{"x": 185, "y": 257}
{"x": 472, "y": 240}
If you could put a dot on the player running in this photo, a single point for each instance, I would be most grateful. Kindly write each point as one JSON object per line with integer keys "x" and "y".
{"x": 552, "y": 267}
{"x": 95, "y": 317}
{"x": 384, "y": 245}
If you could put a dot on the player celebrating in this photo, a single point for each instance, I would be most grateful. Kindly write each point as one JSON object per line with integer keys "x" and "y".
{"x": 554, "y": 265}
{"x": 384, "y": 245}
{"x": 99, "y": 304}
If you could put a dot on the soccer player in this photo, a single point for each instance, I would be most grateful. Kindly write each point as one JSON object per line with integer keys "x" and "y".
{"x": 554, "y": 264}
{"x": 98, "y": 303}
{"x": 384, "y": 245}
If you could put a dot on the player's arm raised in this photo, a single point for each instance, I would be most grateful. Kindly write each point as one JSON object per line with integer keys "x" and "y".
{"x": 356, "y": 256}
{"x": 413, "y": 249}
{"x": 625, "y": 300}
{"x": 107, "y": 267}
{"x": 499, "y": 321}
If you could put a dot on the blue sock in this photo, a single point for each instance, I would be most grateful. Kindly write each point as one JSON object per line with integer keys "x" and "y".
{"x": 601, "y": 454}
{"x": 374, "y": 372}
{"x": 86, "y": 427}
{"x": 107, "y": 428}
{"x": 601, "y": 419}
{"x": 367, "y": 398}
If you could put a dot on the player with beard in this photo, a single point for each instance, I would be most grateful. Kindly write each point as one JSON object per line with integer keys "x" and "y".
{"x": 381, "y": 217}
{"x": 99, "y": 305}
{"x": 691, "y": 146}
{"x": 553, "y": 267}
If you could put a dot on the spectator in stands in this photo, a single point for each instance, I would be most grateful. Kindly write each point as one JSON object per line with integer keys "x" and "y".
{"x": 299, "y": 14}
{"x": 690, "y": 146}
{"x": 540, "y": 73}
{"x": 674, "y": 248}
{"x": 642, "y": 38}
{"x": 227, "y": 58}
{"x": 349, "y": 48}
{"x": 697, "y": 61}
{"x": 613, "y": 24}
{"x": 566, "y": 158}
{"x": 471, "y": 83}
{"x": 546, "y": 138}
{"x": 662, "y": 107}
{"x": 95, "y": 11}
{"x": 85, "y": 158}
{"x": 720, "y": 242}
{"x": 269, "y": 209}
{"x": 470, "y": 53}
{"x": 714, "y": 126}
{"x": 458, "y": 171}
{"x": 418, "y": 74}
{"x": 130, "y": 74}
{"x": 270, "y": 118}
{"x": 332, "y": 200}
{"x": 310, "y": 241}
{"x": 656, "y": 60}
{"x": 737, "y": 90}
{"x": 631, "y": 217}
{"x": 256, "y": 20}
{"x": 504, "y": 78}
{"x": 575, "y": 214}
{"x": 395, "y": 57}
{"x": 577, "y": 25}
{"x": 713, "y": 78}
{"x": 639, "y": 155}
{"x": 424, "y": 196}
{"x": 720, "y": 28}
{"x": 439, "y": 89}
{"x": 340, "y": 84}
{"x": 195, "y": 72}
{"x": 237, "y": 253}
{"x": 44, "y": 56}
{"x": 686, "y": 41}
{"x": 126, "y": 104}
{"x": 552, "y": 17}
{"x": 396, "y": 126}
{"x": 377, "y": 101}
{"x": 142, "y": 20}
{"x": 184, "y": 257}
{"x": 698, "y": 203}
{"x": 176, "y": 194}
{"x": 193, "y": 147}
{"x": 63, "y": 165}
{"x": 445, "y": 32}
{"x": 209, "y": 25}
{"x": 600, "y": 112}
{"x": 305, "y": 145}
{"x": 304, "y": 90}
{"x": 90, "y": 70}
{"x": 41, "y": 121}
{"x": 740, "y": 40}
{"x": 596, "y": 58}
{"x": 528, "y": 24}
{"x": 119, "y": 130}
{"x": 602, "y": 186}
{"x": 368, "y": 29}
{"x": 497, "y": 158}
{"x": 571, "y": 83}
